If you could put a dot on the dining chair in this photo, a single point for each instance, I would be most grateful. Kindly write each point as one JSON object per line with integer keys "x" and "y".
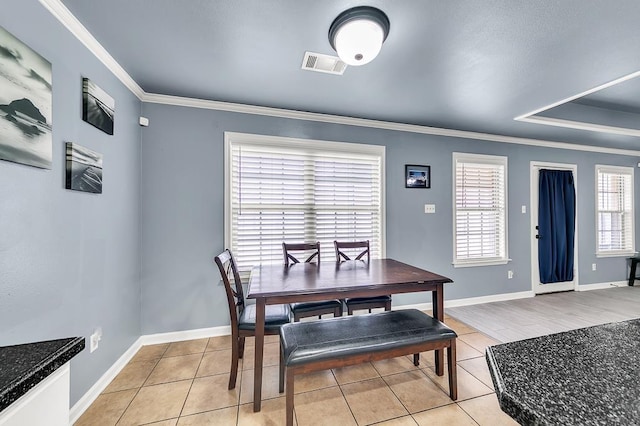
{"x": 309, "y": 309}
{"x": 243, "y": 316}
{"x": 362, "y": 251}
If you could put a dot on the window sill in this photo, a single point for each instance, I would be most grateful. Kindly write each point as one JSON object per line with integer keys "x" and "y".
{"x": 481, "y": 263}
{"x": 617, "y": 254}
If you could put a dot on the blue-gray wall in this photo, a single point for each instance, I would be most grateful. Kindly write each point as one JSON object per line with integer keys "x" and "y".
{"x": 137, "y": 259}
{"x": 183, "y": 210}
{"x": 70, "y": 261}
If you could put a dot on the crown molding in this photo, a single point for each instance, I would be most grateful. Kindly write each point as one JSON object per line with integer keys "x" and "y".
{"x": 363, "y": 122}
{"x": 534, "y": 117}
{"x": 581, "y": 125}
{"x": 580, "y": 95}
{"x": 65, "y": 16}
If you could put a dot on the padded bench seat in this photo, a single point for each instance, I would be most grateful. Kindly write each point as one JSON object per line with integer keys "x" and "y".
{"x": 339, "y": 342}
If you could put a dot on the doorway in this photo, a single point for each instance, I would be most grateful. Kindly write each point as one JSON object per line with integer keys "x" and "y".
{"x": 571, "y": 282}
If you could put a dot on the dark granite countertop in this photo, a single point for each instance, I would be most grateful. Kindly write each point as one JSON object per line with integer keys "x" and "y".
{"x": 24, "y": 366}
{"x": 589, "y": 376}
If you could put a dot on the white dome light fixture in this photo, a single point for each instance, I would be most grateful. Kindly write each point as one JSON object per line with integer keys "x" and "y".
{"x": 357, "y": 34}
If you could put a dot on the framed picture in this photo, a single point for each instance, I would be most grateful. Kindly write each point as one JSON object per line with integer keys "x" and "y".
{"x": 417, "y": 176}
{"x": 25, "y": 104}
{"x": 97, "y": 106}
{"x": 84, "y": 169}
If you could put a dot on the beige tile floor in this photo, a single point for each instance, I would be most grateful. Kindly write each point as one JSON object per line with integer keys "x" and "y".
{"x": 185, "y": 383}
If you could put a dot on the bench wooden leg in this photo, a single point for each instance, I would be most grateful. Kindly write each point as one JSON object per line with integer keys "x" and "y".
{"x": 439, "y": 361}
{"x": 453, "y": 379}
{"x": 416, "y": 359}
{"x": 289, "y": 396}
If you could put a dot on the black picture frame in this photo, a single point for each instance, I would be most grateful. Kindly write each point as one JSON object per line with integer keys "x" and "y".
{"x": 83, "y": 169}
{"x": 416, "y": 176}
{"x": 98, "y": 108}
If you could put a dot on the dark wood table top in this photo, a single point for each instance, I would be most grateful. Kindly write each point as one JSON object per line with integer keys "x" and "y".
{"x": 382, "y": 276}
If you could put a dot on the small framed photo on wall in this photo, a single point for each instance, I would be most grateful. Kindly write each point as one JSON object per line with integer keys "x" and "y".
{"x": 417, "y": 176}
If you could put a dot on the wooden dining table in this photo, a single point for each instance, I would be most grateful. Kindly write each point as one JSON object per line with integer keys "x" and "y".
{"x": 306, "y": 282}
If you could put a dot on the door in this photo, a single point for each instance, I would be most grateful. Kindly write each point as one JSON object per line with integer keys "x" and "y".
{"x": 565, "y": 243}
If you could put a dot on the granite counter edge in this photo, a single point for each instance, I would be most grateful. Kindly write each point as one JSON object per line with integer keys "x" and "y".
{"x": 17, "y": 388}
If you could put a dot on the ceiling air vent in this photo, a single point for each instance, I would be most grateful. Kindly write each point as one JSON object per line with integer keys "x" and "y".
{"x": 323, "y": 63}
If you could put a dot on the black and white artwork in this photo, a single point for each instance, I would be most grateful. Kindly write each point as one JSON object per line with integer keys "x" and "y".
{"x": 84, "y": 169}
{"x": 25, "y": 104}
{"x": 97, "y": 106}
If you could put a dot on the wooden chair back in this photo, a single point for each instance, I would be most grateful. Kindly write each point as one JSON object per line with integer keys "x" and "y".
{"x": 235, "y": 294}
{"x": 341, "y": 255}
{"x": 287, "y": 248}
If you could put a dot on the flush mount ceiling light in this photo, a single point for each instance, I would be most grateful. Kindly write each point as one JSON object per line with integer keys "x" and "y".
{"x": 357, "y": 34}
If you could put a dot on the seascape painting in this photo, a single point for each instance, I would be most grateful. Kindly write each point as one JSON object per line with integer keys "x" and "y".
{"x": 97, "y": 106}
{"x": 84, "y": 169}
{"x": 25, "y": 104}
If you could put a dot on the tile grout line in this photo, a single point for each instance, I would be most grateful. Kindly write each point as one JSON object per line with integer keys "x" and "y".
{"x": 397, "y": 397}
{"x": 142, "y": 385}
{"x": 469, "y": 414}
{"x": 239, "y": 390}
{"x": 192, "y": 381}
{"x": 346, "y": 400}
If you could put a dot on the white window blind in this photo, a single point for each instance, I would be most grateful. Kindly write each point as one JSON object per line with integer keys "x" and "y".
{"x": 480, "y": 209}
{"x": 614, "y": 211}
{"x": 301, "y": 191}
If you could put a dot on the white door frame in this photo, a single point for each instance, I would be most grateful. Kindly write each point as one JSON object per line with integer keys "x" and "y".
{"x": 536, "y": 286}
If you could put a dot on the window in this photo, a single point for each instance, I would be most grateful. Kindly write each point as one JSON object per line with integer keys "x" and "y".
{"x": 614, "y": 211}
{"x": 479, "y": 210}
{"x": 282, "y": 189}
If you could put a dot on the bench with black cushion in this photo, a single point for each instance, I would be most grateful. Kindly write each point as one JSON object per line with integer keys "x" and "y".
{"x": 340, "y": 342}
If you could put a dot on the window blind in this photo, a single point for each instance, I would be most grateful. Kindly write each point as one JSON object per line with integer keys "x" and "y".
{"x": 615, "y": 216}
{"x": 480, "y": 225}
{"x": 303, "y": 192}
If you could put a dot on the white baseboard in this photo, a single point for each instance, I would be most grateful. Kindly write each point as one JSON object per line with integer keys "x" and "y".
{"x": 471, "y": 301}
{"x": 150, "y": 339}
{"x": 87, "y": 399}
{"x": 488, "y": 299}
{"x": 599, "y": 286}
{"x": 179, "y": 336}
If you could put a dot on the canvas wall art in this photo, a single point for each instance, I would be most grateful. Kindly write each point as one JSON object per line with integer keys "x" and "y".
{"x": 25, "y": 104}
{"x": 84, "y": 169}
{"x": 98, "y": 107}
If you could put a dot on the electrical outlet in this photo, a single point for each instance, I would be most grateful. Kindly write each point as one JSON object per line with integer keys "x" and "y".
{"x": 94, "y": 339}
{"x": 524, "y": 209}
{"x": 509, "y": 274}
{"x": 593, "y": 266}
{"x": 429, "y": 208}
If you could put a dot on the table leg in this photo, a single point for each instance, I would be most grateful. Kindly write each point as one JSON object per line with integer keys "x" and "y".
{"x": 632, "y": 271}
{"x": 257, "y": 365}
{"x": 437, "y": 298}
